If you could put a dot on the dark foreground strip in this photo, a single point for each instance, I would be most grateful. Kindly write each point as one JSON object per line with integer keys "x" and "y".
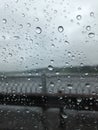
{"x": 69, "y": 101}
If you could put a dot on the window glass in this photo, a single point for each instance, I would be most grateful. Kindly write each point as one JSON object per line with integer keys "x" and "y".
{"x": 48, "y": 34}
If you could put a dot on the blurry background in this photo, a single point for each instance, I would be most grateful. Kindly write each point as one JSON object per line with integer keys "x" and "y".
{"x": 42, "y": 33}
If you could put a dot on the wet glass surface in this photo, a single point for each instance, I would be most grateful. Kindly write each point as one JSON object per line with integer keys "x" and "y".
{"x": 48, "y": 34}
{"x": 48, "y": 65}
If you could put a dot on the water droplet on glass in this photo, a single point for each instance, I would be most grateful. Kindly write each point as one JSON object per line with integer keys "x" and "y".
{"x": 21, "y": 58}
{"x": 3, "y": 37}
{"x": 27, "y": 111}
{"x": 50, "y": 67}
{"x": 79, "y": 8}
{"x": 57, "y": 73}
{"x": 21, "y": 128}
{"x": 52, "y": 45}
{"x": 86, "y": 74}
{"x": 79, "y": 100}
{"x": 35, "y": 126}
{"x": 16, "y": 1}
{"x": 69, "y": 86}
{"x": 51, "y": 84}
{"x": 73, "y": 57}
{"x": 59, "y": 80}
{"x": 18, "y": 111}
{"x": 60, "y": 29}
{"x": 10, "y": 54}
{"x": 29, "y": 79}
{"x": 86, "y": 107}
{"x": 69, "y": 53}
{"x": 92, "y": 14}
{"x": 31, "y": 40}
{"x": 78, "y": 17}
{"x": 72, "y": 20}
{"x": 87, "y": 85}
{"x": 36, "y": 19}
{"x": 16, "y": 37}
{"x": 81, "y": 64}
{"x": 21, "y": 26}
{"x": 64, "y": 116}
{"x": 28, "y": 24}
{"x": 55, "y": 11}
{"x": 52, "y": 61}
{"x": 91, "y": 35}
{"x": 88, "y": 28}
{"x": 38, "y": 30}
{"x": 4, "y": 49}
{"x": 66, "y": 42}
{"x": 4, "y": 21}
{"x": 66, "y": 63}
{"x": 23, "y": 15}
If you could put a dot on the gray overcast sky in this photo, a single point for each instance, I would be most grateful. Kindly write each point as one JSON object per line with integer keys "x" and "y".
{"x": 39, "y": 33}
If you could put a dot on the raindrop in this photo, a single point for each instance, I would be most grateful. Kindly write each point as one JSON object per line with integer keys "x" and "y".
{"x": 16, "y": 1}
{"x": 35, "y": 126}
{"x": 21, "y": 128}
{"x": 3, "y": 37}
{"x": 4, "y": 49}
{"x": 78, "y": 17}
{"x": 52, "y": 45}
{"x": 50, "y": 67}
{"x": 1, "y": 111}
{"x": 60, "y": 29}
{"x": 55, "y": 11}
{"x": 92, "y": 14}
{"x": 73, "y": 57}
{"x": 87, "y": 85}
{"x": 21, "y": 58}
{"x": 86, "y": 74}
{"x": 21, "y": 26}
{"x": 79, "y": 100}
{"x": 28, "y": 24}
{"x": 36, "y": 19}
{"x": 69, "y": 53}
{"x": 51, "y": 84}
{"x": 69, "y": 86}
{"x": 86, "y": 107}
{"x": 38, "y": 30}
{"x": 31, "y": 40}
{"x": 79, "y": 8}
{"x": 66, "y": 42}
{"x": 81, "y": 64}
{"x": 72, "y": 20}
{"x": 27, "y": 111}
{"x": 52, "y": 61}
{"x": 94, "y": 93}
{"x": 64, "y": 116}
{"x": 40, "y": 87}
{"x": 88, "y": 28}
{"x": 57, "y": 73}
{"x": 59, "y": 80}
{"x": 10, "y": 54}
{"x": 29, "y": 79}
{"x": 4, "y": 21}
{"x": 66, "y": 63}
{"x": 16, "y": 37}
{"x": 91, "y": 35}
{"x": 23, "y": 15}
{"x": 18, "y": 111}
